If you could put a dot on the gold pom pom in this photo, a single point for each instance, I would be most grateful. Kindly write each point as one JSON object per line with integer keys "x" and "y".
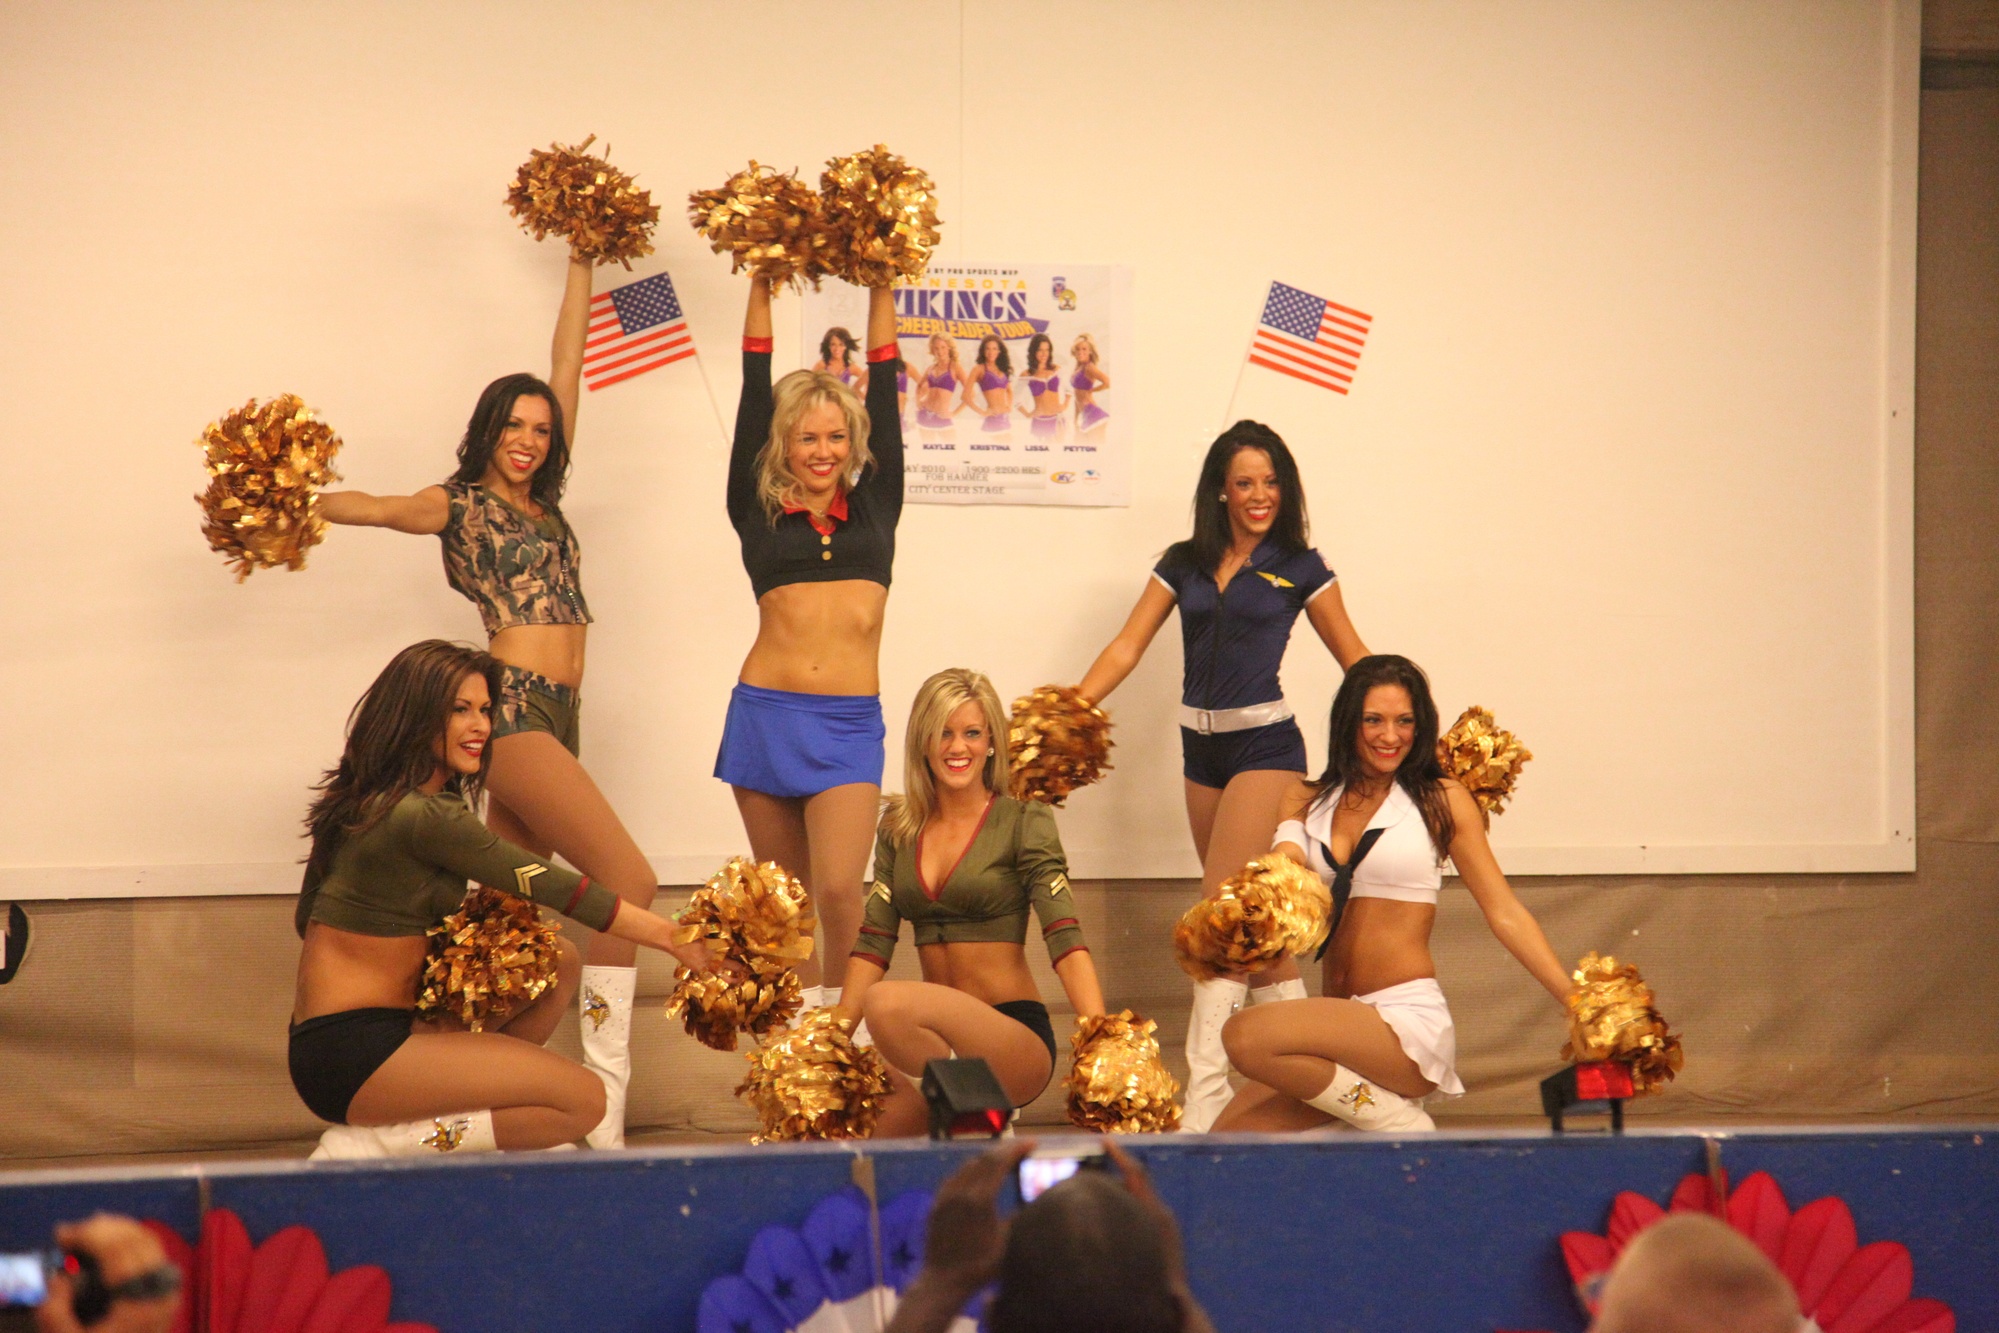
{"x": 766, "y": 221}
{"x": 265, "y": 464}
{"x": 1057, "y": 741}
{"x": 601, "y": 210}
{"x": 1273, "y": 908}
{"x": 759, "y": 918}
{"x": 1487, "y": 759}
{"x": 489, "y": 960}
{"x": 815, "y": 1083}
{"x": 1118, "y": 1082}
{"x": 881, "y": 214}
{"x": 1611, "y": 1018}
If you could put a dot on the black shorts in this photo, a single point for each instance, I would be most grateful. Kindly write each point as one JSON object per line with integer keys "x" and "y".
{"x": 1210, "y": 761}
{"x": 1033, "y": 1015}
{"x": 333, "y": 1055}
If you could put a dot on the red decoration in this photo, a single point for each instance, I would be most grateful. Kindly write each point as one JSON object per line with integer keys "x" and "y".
{"x": 1842, "y": 1285}
{"x": 1600, "y": 1080}
{"x": 229, "y": 1287}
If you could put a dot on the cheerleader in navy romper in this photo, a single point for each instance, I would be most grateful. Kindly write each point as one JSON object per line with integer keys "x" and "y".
{"x": 1240, "y": 582}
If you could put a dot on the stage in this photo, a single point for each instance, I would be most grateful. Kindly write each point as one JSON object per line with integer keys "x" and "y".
{"x": 1450, "y": 1231}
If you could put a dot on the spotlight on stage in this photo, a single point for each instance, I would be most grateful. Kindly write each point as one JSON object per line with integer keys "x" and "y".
{"x": 1591, "y": 1089}
{"x": 966, "y": 1101}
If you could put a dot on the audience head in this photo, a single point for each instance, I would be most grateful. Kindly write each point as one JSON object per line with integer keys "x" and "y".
{"x": 1691, "y": 1273}
{"x": 1086, "y": 1256}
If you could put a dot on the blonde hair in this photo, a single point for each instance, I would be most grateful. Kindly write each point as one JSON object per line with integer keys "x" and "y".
{"x": 1096, "y": 357}
{"x": 904, "y": 815}
{"x": 795, "y": 395}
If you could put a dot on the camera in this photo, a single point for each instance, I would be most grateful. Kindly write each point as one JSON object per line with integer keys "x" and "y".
{"x": 1045, "y": 1168}
{"x": 24, "y": 1282}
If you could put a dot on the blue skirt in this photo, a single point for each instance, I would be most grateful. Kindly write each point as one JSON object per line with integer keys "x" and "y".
{"x": 783, "y": 743}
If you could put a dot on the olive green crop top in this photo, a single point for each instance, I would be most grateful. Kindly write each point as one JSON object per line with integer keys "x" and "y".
{"x": 1014, "y": 860}
{"x": 408, "y": 872}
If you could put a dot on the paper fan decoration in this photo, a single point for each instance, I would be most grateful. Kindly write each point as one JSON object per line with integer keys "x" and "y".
{"x": 821, "y": 1277}
{"x": 282, "y": 1284}
{"x": 1842, "y": 1285}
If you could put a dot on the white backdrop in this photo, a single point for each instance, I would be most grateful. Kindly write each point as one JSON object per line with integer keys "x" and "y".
{"x": 1628, "y": 458}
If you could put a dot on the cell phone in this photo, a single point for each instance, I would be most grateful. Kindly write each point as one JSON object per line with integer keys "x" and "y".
{"x": 1047, "y": 1167}
{"x": 24, "y": 1282}
{"x": 24, "y": 1278}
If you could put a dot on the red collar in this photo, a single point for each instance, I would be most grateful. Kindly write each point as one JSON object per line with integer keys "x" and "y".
{"x": 835, "y": 512}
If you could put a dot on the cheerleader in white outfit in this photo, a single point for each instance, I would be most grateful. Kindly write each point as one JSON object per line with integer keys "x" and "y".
{"x": 1377, "y": 826}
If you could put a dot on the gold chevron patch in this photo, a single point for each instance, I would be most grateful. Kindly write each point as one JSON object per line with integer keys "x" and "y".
{"x": 1276, "y": 582}
{"x": 524, "y": 877}
{"x": 881, "y": 891}
{"x": 1060, "y": 884}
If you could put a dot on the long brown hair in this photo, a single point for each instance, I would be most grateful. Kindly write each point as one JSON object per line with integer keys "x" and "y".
{"x": 392, "y": 738}
{"x": 1420, "y": 774}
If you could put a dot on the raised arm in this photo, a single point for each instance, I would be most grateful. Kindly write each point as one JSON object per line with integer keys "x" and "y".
{"x": 1512, "y": 924}
{"x": 753, "y": 409}
{"x": 565, "y": 360}
{"x": 423, "y": 514}
{"x": 1121, "y": 655}
{"x": 884, "y": 480}
{"x": 1328, "y": 612}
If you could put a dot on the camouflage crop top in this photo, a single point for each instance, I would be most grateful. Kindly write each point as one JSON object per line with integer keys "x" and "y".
{"x": 1013, "y": 862}
{"x": 515, "y": 569}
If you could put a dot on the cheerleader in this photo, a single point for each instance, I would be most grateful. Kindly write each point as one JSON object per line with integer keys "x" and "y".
{"x": 963, "y": 863}
{"x": 509, "y": 550}
{"x": 394, "y": 840}
{"x": 1377, "y": 826}
{"x": 814, "y": 493}
{"x": 1239, "y": 581}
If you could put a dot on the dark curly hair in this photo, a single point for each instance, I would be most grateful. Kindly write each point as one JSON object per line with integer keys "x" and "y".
{"x": 1291, "y": 530}
{"x": 489, "y": 422}
{"x": 1420, "y": 773}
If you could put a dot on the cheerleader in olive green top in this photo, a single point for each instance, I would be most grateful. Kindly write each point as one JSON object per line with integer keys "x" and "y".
{"x": 394, "y": 841}
{"x": 964, "y": 862}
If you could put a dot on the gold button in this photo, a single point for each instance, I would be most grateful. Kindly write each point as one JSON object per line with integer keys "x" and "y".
{"x": 826, "y": 539}
{"x": 825, "y": 555}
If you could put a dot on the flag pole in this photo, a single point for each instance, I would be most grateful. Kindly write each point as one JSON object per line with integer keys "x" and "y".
{"x": 701, "y": 364}
{"x": 1228, "y": 413}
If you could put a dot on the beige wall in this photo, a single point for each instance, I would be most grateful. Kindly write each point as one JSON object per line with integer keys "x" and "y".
{"x": 1630, "y": 429}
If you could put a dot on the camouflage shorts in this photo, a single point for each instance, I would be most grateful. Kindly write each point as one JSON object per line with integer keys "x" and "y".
{"x": 530, "y": 701}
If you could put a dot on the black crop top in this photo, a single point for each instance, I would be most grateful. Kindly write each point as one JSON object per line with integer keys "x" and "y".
{"x": 862, "y": 543}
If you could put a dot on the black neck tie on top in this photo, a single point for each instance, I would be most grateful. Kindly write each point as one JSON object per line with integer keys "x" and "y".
{"x": 1343, "y": 883}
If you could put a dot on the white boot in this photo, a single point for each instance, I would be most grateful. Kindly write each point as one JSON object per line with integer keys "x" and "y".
{"x": 1208, "y": 1091}
{"x": 1368, "y": 1106}
{"x": 469, "y": 1131}
{"x": 1293, "y": 989}
{"x": 604, "y": 1013}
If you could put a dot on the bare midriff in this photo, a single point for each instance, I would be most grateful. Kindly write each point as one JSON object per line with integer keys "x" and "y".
{"x": 554, "y": 651}
{"x": 340, "y": 970}
{"x": 819, "y": 638}
{"x": 1381, "y": 942}
{"x": 991, "y": 971}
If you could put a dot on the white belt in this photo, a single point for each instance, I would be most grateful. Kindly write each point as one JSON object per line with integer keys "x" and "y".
{"x": 1207, "y": 721}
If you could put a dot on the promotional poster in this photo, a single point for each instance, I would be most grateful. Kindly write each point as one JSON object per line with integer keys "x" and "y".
{"x": 1016, "y": 382}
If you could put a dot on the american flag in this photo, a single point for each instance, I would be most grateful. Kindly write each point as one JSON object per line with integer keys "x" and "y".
{"x": 1309, "y": 338}
{"x": 633, "y": 329}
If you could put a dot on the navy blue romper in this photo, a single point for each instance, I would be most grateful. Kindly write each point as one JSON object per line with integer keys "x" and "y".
{"x": 1233, "y": 643}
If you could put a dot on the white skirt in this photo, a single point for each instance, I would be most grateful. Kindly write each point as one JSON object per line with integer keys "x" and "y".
{"x": 1415, "y": 1011}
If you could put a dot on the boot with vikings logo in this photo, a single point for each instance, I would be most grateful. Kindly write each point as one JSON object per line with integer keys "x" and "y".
{"x": 1368, "y": 1105}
